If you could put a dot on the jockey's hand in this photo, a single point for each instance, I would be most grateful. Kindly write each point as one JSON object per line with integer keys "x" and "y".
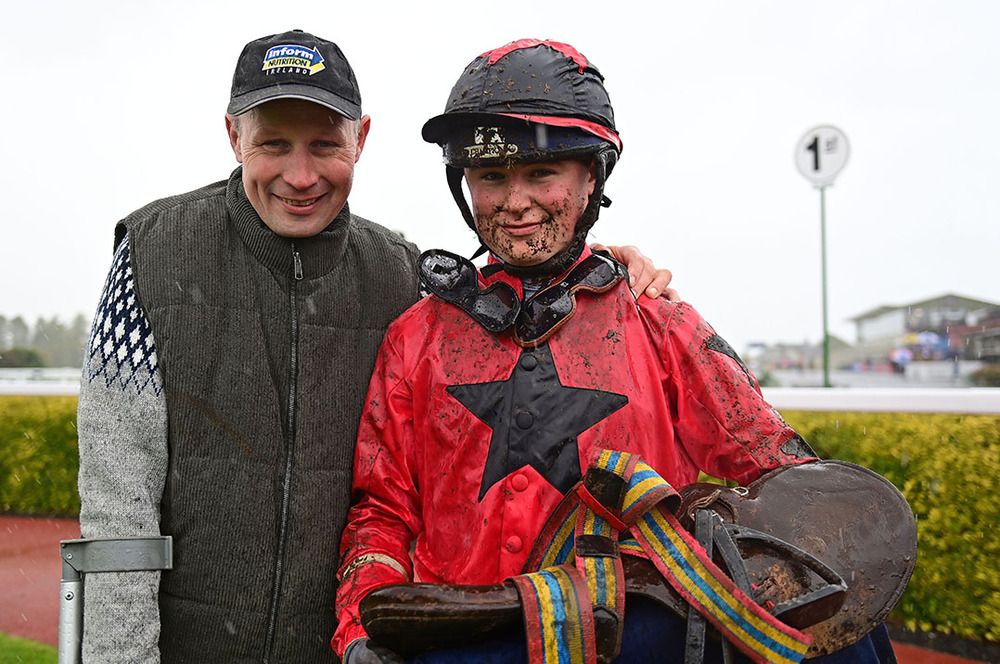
{"x": 362, "y": 651}
{"x": 643, "y": 277}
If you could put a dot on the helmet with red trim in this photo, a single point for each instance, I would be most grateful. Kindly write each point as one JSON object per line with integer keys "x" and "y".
{"x": 530, "y": 100}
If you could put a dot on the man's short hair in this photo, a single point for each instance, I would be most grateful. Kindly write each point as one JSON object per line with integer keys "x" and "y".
{"x": 237, "y": 120}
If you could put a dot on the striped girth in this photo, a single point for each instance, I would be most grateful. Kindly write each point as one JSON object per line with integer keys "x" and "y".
{"x": 574, "y": 606}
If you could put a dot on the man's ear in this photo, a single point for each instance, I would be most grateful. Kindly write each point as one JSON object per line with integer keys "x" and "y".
{"x": 363, "y": 127}
{"x": 232, "y": 128}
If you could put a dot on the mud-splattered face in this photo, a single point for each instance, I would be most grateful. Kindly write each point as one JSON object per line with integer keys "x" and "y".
{"x": 527, "y": 213}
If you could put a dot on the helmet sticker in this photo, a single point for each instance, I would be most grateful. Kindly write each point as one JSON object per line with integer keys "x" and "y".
{"x": 489, "y": 143}
{"x": 292, "y": 59}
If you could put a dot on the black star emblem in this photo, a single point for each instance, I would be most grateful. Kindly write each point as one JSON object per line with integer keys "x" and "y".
{"x": 535, "y": 420}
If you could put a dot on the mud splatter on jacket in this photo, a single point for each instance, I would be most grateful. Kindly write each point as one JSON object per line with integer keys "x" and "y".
{"x": 467, "y": 441}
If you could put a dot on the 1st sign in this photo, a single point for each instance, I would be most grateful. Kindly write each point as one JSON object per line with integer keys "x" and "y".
{"x": 821, "y": 154}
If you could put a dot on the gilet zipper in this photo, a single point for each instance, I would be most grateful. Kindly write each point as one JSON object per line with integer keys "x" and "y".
{"x": 289, "y": 452}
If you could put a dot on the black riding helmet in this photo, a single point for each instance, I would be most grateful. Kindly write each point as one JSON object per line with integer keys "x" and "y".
{"x": 530, "y": 100}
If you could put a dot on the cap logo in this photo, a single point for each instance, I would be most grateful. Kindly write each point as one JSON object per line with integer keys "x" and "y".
{"x": 292, "y": 59}
{"x": 489, "y": 143}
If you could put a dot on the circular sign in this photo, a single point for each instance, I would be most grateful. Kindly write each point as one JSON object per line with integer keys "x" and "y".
{"x": 821, "y": 154}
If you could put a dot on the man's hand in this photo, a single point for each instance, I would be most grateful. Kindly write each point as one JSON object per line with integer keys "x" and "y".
{"x": 643, "y": 277}
{"x": 361, "y": 651}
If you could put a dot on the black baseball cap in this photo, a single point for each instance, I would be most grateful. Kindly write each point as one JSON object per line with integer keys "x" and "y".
{"x": 295, "y": 65}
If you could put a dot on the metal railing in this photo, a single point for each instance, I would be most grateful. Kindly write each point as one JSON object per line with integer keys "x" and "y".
{"x": 81, "y": 557}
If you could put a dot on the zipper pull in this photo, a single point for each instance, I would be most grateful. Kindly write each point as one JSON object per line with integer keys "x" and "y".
{"x": 298, "y": 264}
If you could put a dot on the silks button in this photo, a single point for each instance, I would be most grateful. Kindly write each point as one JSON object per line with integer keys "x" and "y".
{"x": 519, "y": 482}
{"x": 514, "y": 544}
{"x": 524, "y": 419}
{"x": 528, "y": 362}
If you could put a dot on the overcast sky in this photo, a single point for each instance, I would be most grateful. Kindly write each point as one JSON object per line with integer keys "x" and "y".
{"x": 109, "y": 105}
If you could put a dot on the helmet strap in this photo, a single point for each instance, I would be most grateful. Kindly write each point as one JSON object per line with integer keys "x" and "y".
{"x": 455, "y": 176}
{"x": 603, "y": 161}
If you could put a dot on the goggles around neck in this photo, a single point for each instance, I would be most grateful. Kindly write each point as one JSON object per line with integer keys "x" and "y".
{"x": 546, "y": 311}
{"x": 453, "y": 279}
{"x": 497, "y": 307}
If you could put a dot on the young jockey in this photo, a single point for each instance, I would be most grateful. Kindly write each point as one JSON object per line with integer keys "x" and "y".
{"x": 490, "y": 396}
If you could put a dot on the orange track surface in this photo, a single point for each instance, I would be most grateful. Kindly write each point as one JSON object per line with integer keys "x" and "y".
{"x": 30, "y": 569}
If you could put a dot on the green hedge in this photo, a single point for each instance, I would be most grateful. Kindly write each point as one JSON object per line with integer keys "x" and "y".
{"x": 988, "y": 376}
{"x": 38, "y": 457}
{"x": 947, "y": 467}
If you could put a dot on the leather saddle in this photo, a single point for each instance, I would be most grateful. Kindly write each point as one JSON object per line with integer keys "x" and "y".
{"x": 826, "y": 547}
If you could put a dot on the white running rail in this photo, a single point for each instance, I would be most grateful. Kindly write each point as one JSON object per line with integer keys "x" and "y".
{"x": 971, "y": 400}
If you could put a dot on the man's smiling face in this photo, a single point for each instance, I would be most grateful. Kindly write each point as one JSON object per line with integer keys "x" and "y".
{"x": 298, "y": 163}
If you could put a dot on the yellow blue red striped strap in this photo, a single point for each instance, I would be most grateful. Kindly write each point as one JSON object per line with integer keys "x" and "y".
{"x": 657, "y": 535}
{"x": 690, "y": 571}
{"x": 645, "y": 489}
{"x": 597, "y": 559}
{"x": 554, "y": 544}
{"x": 630, "y": 546}
{"x": 558, "y": 618}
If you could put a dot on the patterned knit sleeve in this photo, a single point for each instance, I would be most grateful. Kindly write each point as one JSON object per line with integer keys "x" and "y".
{"x": 122, "y": 426}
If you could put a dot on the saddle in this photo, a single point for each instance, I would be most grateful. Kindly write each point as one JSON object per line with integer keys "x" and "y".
{"x": 826, "y": 548}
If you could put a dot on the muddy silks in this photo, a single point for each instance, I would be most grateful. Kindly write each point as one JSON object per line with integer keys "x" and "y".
{"x": 574, "y": 606}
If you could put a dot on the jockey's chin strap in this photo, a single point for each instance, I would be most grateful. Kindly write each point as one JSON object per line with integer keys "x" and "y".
{"x": 577, "y": 556}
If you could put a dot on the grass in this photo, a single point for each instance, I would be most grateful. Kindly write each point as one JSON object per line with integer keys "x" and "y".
{"x": 15, "y": 650}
